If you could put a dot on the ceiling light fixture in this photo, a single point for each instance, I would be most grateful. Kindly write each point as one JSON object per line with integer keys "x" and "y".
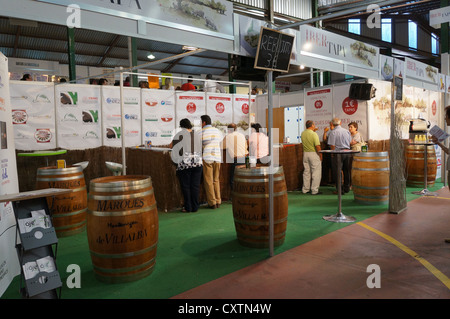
{"x": 189, "y": 48}
{"x": 151, "y": 56}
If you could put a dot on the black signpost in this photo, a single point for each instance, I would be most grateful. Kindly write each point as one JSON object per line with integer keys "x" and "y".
{"x": 273, "y": 54}
{"x": 274, "y": 50}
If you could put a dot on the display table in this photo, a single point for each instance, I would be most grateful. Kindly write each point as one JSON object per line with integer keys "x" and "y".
{"x": 339, "y": 217}
{"x": 424, "y": 191}
{"x": 42, "y": 153}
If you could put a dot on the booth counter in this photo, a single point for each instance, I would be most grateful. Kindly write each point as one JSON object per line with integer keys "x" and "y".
{"x": 155, "y": 162}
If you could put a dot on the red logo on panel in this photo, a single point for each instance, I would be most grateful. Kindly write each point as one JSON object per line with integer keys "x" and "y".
{"x": 220, "y": 108}
{"x": 191, "y": 107}
{"x": 245, "y": 108}
{"x": 349, "y": 106}
{"x": 433, "y": 107}
{"x": 318, "y": 104}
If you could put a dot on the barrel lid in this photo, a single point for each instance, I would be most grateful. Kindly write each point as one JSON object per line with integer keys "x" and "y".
{"x": 54, "y": 170}
{"x": 120, "y": 181}
{"x": 372, "y": 154}
{"x": 258, "y": 171}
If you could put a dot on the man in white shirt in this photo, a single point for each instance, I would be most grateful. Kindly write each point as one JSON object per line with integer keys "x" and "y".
{"x": 236, "y": 145}
{"x": 339, "y": 139}
{"x": 210, "y": 85}
{"x": 212, "y": 157}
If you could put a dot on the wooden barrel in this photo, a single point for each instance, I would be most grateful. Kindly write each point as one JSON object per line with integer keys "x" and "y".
{"x": 68, "y": 210}
{"x": 250, "y": 200}
{"x": 122, "y": 227}
{"x": 415, "y": 165}
{"x": 370, "y": 178}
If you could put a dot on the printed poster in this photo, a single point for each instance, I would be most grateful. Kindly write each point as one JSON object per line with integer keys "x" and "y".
{"x": 78, "y": 116}
{"x": 9, "y": 262}
{"x": 350, "y": 110}
{"x": 191, "y": 105}
{"x": 242, "y": 109}
{"x": 33, "y": 115}
{"x": 111, "y": 111}
{"x": 379, "y": 109}
{"x": 219, "y": 106}
{"x": 319, "y": 108}
{"x": 158, "y": 116}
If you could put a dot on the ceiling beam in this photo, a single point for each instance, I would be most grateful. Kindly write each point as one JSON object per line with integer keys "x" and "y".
{"x": 109, "y": 48}
{"x": 16, "y": 41}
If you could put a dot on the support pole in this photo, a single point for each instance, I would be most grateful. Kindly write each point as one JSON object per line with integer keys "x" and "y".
{"x": 132, "y": 51}
{"x": 71, "y": 53}
{"x": 270, "y": 133}
{"x": 122, "y": 128}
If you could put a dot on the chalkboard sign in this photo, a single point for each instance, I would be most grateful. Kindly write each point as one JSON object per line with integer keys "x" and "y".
{"x": 274, "y": 50}
{"x": 398, "y": 88}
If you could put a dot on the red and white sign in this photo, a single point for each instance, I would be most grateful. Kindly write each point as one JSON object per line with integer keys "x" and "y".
{"x": 349, "y": 106}
{"x": 190, "y": 105}
{"x": 319, "y": 108}
{"x": 241, "y": 108}
{"x": 219, "y": 107}
{"x": 350, "y": 110}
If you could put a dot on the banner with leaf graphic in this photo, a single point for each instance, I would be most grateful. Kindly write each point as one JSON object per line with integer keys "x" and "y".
{"x": 111, "y": 119}
{"x": 78, "y": 116}
{"x": 33, "y": 115}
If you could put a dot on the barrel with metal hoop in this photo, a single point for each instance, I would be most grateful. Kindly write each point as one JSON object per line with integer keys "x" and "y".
{"x": 250, "y": 200}
{"x": 370, "y": 178}
{"x": 69, "y": 210}
{"x": 122, "y": 227}
{"x": 415, "y": 165}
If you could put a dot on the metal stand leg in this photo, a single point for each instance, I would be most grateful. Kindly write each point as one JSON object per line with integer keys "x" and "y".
{"x": 425, "y": 191}
{"x": 339, "y": 217}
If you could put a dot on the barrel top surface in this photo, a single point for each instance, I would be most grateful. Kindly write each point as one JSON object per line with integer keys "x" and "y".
{"x": 371, "y": 154}
{"x": 121, "y": 179}
{"x": 50, "y": 170}
{"x": 257, "y": 171}
{"x": 420, "y": 147}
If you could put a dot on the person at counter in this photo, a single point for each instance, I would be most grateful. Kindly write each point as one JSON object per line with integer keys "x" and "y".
{"x": 188, "y": 86}
{"x": 339, "y": 139}
{"x": 445, "y": 150}
{"x": 189, "y": 164}
{"x": 327, "y": 178}
{"x": 212, "y": 157}
{"x": 26, "y": 77}
{"x": 235, "y": 144}
{"x": 355, "y": 144}
{"x": 312, "y": 160}
{"x": 258, "y": 143}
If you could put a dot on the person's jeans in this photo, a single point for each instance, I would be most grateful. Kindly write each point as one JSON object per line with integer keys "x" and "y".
{"x": 345, "y": 168}
{"x": 190, "y": 187}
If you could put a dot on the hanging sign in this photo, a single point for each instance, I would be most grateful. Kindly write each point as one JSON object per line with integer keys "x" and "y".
{"x": 274, "y": 50}
{"x": 325, "y": 45}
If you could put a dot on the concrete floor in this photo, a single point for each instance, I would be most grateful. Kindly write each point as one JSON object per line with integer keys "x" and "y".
{"x": 409, "y": 248}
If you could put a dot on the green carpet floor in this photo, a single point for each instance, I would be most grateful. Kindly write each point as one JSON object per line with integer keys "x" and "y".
{"x": 199, "y": 247}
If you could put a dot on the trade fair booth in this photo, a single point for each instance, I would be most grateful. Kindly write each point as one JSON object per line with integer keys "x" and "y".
{"x": 91, "y": 130}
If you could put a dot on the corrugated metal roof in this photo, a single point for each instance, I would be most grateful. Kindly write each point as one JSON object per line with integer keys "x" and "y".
{"x": 100, "y": 49}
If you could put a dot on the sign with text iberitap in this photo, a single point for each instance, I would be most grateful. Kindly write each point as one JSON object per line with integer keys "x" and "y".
{"x": 274, "y": 50}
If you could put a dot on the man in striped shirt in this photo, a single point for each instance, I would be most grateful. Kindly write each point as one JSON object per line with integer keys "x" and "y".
{"x": 212, "y": 157}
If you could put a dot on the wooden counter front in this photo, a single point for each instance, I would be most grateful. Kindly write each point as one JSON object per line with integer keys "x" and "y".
{"x": 159, "y": 166}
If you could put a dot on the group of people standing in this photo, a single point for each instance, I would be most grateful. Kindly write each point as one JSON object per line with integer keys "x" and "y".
{"x": 336, "y": 138}
{"x": 198, "y": 155}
